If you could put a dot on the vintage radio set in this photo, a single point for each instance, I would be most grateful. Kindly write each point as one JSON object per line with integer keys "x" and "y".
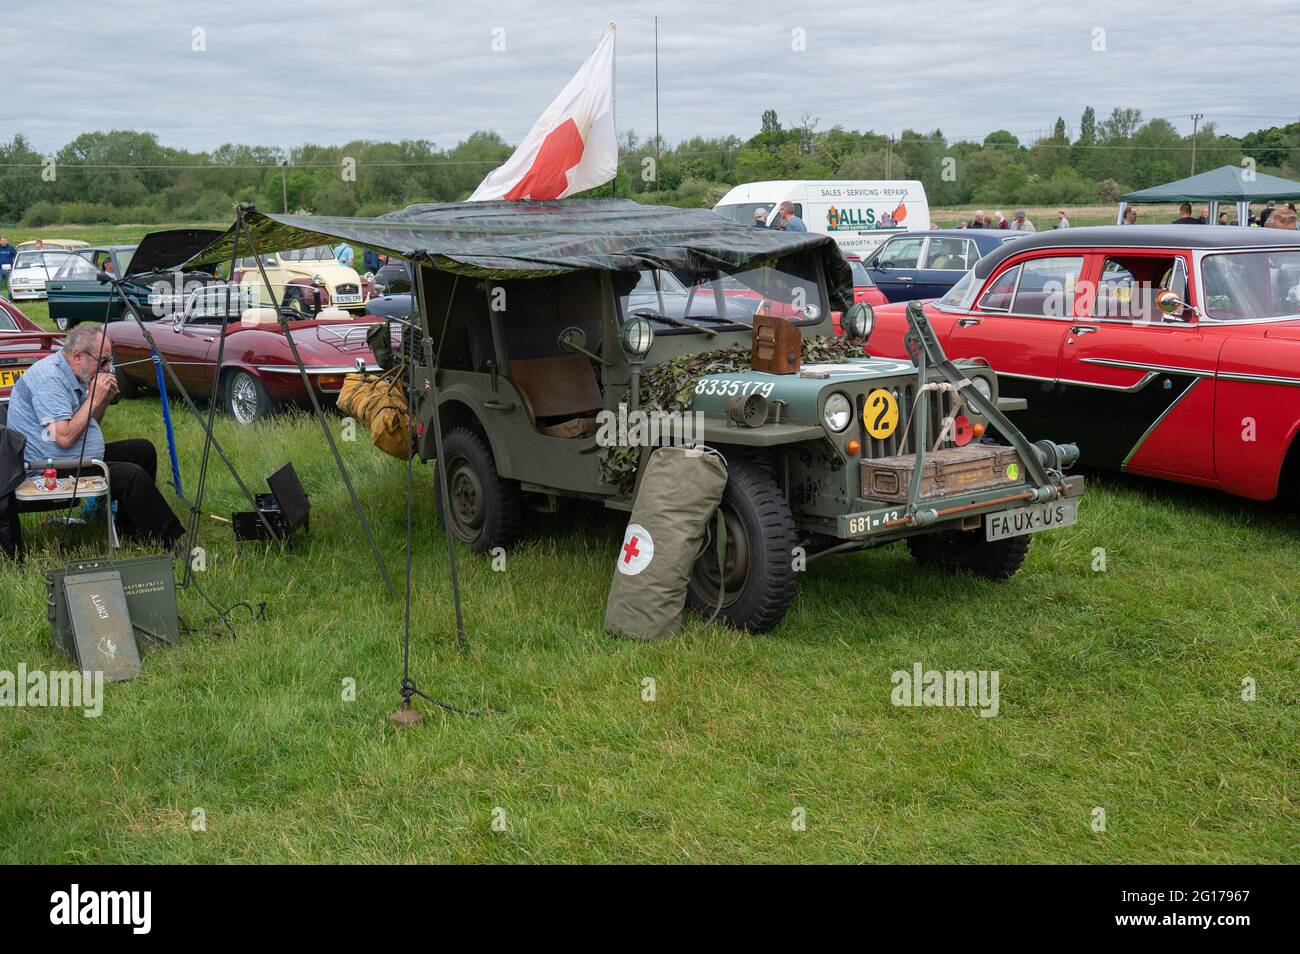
{"x": 777, "y": 346}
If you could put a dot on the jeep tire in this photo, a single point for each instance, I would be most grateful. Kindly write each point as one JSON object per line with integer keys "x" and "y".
{"x": 486, "y": 510}
{"x": 759, "y": 567}
{"x": 956, "y": 550}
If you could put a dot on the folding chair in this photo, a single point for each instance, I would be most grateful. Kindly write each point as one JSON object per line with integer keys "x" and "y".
{"x": 30, "y": 496}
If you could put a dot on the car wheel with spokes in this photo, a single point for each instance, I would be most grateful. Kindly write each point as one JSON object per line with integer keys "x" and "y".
{"x": 246, "y": 398}
{"x": 757, "y": 573}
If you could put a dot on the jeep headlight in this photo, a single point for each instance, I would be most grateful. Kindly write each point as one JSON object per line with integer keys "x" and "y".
{"x": 837, "y": 412}
{"x": 859, "y": 320}
{"x": 638, "y": 336}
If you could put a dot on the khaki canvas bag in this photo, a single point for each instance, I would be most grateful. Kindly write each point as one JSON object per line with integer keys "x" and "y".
{"x": 680, "y": 491}
{"x": 378, "y": 401}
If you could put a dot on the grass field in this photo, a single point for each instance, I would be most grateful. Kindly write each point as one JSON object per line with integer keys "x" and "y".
{"x": 1120, "y": 690}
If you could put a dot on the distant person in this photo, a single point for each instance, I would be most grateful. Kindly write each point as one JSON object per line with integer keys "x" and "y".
{"x": 1185, "y": 216}
{"x": 7, "y": 255}
{"x": 760, "y": 218}
{"x": 1130, "y": 216}
{"x": 370, "y": 260}
{"x": 1282, "y": 218}
{"x": 1223, "y": 218}
{"x": 978, "y": 221}
{"x": 1061, "y": 221}
{"x": 1022, "y": 224}
{"x": 789, "y": 221}
{"x": 40, "y": 245}
{"x": 344, "y": 254}
{"x": 1266, "y": 213}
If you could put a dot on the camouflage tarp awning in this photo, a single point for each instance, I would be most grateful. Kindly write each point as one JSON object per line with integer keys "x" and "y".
{"x": 507, "y": 240}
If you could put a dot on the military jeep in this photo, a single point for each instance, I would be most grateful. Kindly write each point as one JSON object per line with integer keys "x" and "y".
{"x": 544, "y": 335}
{"x": 538, "y": 377}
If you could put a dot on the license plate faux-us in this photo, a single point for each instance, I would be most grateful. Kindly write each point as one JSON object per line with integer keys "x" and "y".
{"x": 1031, "y": 519}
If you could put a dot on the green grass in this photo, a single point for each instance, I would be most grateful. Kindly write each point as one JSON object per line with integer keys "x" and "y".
{"x": 1119, "y": 689}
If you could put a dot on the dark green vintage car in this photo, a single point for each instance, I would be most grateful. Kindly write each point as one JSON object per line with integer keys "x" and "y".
{"x": 551, "y": 353}
{"x": 76, "y": 292}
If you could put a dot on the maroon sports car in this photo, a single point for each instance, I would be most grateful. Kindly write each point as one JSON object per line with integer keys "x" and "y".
{"x": 258, "y": 374}
{"x": 22, "y": 343}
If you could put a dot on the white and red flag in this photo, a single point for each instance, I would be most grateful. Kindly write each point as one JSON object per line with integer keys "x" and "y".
{"x": 573, "y": 146}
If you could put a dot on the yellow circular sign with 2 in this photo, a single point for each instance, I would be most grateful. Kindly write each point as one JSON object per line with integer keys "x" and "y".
{"x": 880, "y": 414}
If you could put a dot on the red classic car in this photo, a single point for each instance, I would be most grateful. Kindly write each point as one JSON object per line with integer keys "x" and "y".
{"x": 1200, "y": 386}
{"x": 22, "y": 343}
{"x": 258, "y": 373}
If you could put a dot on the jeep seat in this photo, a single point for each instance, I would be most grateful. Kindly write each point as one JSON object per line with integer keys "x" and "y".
{"x": 559, "y": 387}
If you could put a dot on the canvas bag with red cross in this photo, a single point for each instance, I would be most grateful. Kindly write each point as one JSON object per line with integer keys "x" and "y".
{"x": 679, "y": 492}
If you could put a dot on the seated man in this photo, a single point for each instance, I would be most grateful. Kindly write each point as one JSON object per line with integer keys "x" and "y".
{"x": 52, "y": 406}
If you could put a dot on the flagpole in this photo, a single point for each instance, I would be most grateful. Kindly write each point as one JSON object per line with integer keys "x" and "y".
{"x": 656, "y": 109}
{"x": 613, "y": 101}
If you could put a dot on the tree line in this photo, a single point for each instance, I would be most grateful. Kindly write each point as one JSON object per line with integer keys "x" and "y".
{"x": 129, "y": 176}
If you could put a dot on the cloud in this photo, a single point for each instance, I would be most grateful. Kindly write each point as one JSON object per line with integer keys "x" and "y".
{"x": 328, "y": 72}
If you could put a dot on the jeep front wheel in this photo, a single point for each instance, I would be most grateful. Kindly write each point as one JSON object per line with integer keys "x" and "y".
{"x": 957, "y": 550}
{"x": 758, "y": 566}
{"x": 486, "y": 510}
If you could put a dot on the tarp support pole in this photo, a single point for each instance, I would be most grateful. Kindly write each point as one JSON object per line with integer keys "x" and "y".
{"x": 167, "y": 423}
{"x": 315, "y": 403}
{"x": 211, "y": 438}
{"x": 432, "y": 360}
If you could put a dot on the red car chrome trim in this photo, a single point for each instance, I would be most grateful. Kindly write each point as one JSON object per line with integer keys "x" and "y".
{"x": 1259, "y": 378}
{"x": 1156, "y": 423}
{"x": 1142, "y": 366}
{"x": 292, "y": 369}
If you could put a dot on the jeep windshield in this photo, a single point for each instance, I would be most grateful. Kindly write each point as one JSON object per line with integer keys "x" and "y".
{"x": 716, "y": 301}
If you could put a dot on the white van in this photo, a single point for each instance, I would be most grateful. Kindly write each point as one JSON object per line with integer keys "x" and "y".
{"x": 859, "y": 215}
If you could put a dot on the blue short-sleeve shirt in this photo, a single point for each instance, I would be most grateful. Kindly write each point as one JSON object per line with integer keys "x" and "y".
{"x": 46, "y": 393}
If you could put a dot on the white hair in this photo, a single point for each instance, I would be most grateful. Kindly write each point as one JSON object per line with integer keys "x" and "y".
{"x": 83, "y": 338}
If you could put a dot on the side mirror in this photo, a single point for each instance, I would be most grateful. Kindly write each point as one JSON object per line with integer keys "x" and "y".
{"x": 572, "y": 340}
{"x": 1169, "y": 304}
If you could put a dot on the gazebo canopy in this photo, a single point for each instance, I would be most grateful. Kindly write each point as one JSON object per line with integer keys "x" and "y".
{"x": 1224, "y": 184}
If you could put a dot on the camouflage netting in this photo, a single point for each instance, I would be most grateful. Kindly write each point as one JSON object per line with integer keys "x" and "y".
{"x": 511, "y": 240}
{"x": 670, "y": 387}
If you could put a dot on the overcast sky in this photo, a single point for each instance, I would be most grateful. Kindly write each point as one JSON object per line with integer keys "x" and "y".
{"x": 327, "y": 72}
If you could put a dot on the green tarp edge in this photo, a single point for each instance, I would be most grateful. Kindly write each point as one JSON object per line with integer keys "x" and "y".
{"x": 512, "y": 240}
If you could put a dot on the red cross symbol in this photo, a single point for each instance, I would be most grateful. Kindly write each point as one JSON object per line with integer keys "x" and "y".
{"x": 630, "y": 551}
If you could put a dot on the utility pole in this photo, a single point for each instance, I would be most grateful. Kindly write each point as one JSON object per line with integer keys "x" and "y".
{"x": 889, "y": 155}
{"x": 284, "y": 185}
{"x": 1196, "y": 119}
{"x": 656, "y": 109}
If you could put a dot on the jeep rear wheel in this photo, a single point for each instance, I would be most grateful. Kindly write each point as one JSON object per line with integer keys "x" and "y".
{"x": 758, "y": 569}
{"x": 968, "y": 550}
{"x": 486, "y": 510}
